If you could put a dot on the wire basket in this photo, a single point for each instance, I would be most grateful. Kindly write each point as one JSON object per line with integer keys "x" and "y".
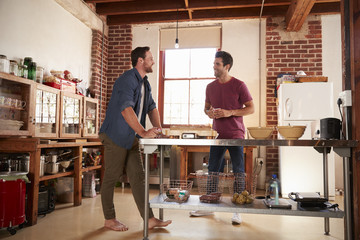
{"x": 213, "y": 186}
{"x": 176, "y": 190}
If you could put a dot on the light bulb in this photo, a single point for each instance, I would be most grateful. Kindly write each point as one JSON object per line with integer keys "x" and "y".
{"x": 176, "y": 43}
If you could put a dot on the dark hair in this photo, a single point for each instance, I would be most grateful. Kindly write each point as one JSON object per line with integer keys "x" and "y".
{"x": 139, "y": 52}
{"x": 226, "y": 58}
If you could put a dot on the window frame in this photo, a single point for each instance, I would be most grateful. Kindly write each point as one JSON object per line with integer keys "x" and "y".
{"x": 162, "y": 80}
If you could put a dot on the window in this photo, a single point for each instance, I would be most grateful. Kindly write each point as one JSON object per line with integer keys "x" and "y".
{"x": 186, "y": 73}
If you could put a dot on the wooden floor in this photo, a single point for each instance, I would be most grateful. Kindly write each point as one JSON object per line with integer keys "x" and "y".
{"x": 86, "y": 222}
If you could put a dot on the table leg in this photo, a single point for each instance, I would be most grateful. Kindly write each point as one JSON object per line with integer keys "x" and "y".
{"x": 347, "y": 199}
{"x": 326, "y": 187}
{"x": 161, "y": 180}
{"x": 146, "y": 210}
{"x": 183, "y": 163}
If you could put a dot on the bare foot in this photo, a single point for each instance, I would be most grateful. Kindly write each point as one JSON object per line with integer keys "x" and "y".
{"x": 154, "y": 222}
{"x": 115, "y": 225}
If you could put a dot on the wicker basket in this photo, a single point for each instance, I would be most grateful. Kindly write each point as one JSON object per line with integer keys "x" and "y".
{"x": 221, "y": 184}
{"x": 177, "y": 190}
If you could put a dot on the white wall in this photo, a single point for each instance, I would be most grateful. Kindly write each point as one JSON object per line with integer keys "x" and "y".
{"x": 43, "y": 30}
{"x": 332, "y": 68}
{"x": 241, "y": 39}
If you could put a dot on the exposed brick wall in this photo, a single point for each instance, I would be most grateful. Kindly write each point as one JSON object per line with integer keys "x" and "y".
{"x": 120, "y": 45}
{"x": 288, "y": 52}
{"x": 98, "y": 49}
{"x": 116, "y": 60}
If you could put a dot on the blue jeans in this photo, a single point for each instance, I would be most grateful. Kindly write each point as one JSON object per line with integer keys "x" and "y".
{"x": 216, "y": 165}
{"x": 216, "y": 158}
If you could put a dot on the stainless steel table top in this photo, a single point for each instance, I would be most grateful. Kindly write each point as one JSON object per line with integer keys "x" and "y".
{"x": 248, "y": 142}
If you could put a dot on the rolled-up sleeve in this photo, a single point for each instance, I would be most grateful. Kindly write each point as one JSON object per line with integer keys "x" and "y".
{"x": 127, "y": 88}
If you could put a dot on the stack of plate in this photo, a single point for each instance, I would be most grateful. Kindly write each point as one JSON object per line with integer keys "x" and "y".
{"x": 10, "y": 124}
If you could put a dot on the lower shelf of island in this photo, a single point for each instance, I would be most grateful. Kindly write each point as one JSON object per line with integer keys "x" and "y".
{"x": 257, "y": 207}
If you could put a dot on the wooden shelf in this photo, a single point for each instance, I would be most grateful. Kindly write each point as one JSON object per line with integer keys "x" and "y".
{"x": 10, "y": 107}
{"x": 58, "y": 175}
{"x": 91, "y": 168}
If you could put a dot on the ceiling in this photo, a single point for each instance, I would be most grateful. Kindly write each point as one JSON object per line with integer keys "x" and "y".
{"x": 156, "y": 11}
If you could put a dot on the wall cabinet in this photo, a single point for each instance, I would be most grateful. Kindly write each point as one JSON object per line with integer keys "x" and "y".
{"x": 70, "y": 115}
{"x": 31, "y": 109}
{"x": 47, "y": 104}
{"x": 16, "y": 110}
{"x": 90, "y": 117}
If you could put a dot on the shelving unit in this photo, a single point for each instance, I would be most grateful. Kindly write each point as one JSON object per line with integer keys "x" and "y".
{"x": 34, "y": 147}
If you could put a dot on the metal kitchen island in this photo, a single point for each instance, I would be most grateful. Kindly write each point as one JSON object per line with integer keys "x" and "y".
{"x": 341, "y": 147}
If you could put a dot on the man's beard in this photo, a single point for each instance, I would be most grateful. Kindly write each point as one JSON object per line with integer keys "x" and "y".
{"x": 148, "y": 69}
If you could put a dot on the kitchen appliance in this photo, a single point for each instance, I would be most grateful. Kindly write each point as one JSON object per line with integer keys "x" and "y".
{"x": 308, "y": 199}
{"x": 46, "y": 203}
{"x": 330, "y": 128}
{"x": 301, "y": 168}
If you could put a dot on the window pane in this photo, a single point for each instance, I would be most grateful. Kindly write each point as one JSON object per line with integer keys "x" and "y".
{"x": 177, "y": 63}
{"x": 197, "y": 102}
{"x": 176, "y": 98}
{"x": 202, "y": 60}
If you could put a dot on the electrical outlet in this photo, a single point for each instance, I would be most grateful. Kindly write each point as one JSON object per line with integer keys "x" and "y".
{"x": 345, "y": 97}
{"x": 259, "y": 160}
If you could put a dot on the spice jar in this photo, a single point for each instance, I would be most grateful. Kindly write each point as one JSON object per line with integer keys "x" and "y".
{"x": 4, "y": 64}
{"x": 39, "y": 74}
{"x": 32, "y": 71}
{"x": 14, "y": 68}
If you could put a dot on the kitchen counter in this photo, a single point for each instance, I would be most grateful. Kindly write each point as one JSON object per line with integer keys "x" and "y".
{"x": 341, "y": 147}
{"x": 248, "y": 142}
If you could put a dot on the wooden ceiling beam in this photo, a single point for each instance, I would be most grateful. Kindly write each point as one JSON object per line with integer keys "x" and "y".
{"x": 156, "y": 6}
{"x": 297, "y": 14}
{"x": 187, "y": 7}
{"x": 142, "y": 6}
{"x": 106, "y": 1}
{"x": 221, "y": 14}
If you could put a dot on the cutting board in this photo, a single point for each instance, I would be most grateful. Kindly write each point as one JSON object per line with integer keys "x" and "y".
{"x": 312, "y": 79}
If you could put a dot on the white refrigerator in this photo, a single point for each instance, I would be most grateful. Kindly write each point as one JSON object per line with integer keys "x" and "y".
{"x": 301, "y": 168}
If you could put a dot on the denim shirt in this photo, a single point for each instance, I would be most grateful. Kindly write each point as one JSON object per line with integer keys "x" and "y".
{"x": 126, "y": 93}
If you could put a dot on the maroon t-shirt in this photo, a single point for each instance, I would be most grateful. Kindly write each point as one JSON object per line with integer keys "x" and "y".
{"x": 230, "y": 95}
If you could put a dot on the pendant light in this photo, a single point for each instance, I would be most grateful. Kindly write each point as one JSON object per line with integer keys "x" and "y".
{"x": 177, "y": 29}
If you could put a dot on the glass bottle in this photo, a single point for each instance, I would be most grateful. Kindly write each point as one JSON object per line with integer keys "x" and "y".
{"x": 32, "y": 71}
{"x": 27, "y": 62}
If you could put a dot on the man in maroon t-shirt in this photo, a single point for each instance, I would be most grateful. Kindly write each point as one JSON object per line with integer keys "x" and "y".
{"x": 227, "y": 101}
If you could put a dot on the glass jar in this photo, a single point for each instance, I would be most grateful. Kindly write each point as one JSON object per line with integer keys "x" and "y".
{"x": 14, "y": 69}
{"x": 23, "y": 70}
{"x": 32, "y": 71}
{"x": 39, "y": 74}
{"x": 27, "y": 62}
{"x": 4, "y": 64}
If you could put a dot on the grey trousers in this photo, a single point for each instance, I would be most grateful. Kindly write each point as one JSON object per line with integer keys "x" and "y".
{"x": 118, "y": 159}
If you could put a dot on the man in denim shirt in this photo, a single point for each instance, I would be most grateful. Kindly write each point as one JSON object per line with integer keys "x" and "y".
{"x": 130, "y": 101}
